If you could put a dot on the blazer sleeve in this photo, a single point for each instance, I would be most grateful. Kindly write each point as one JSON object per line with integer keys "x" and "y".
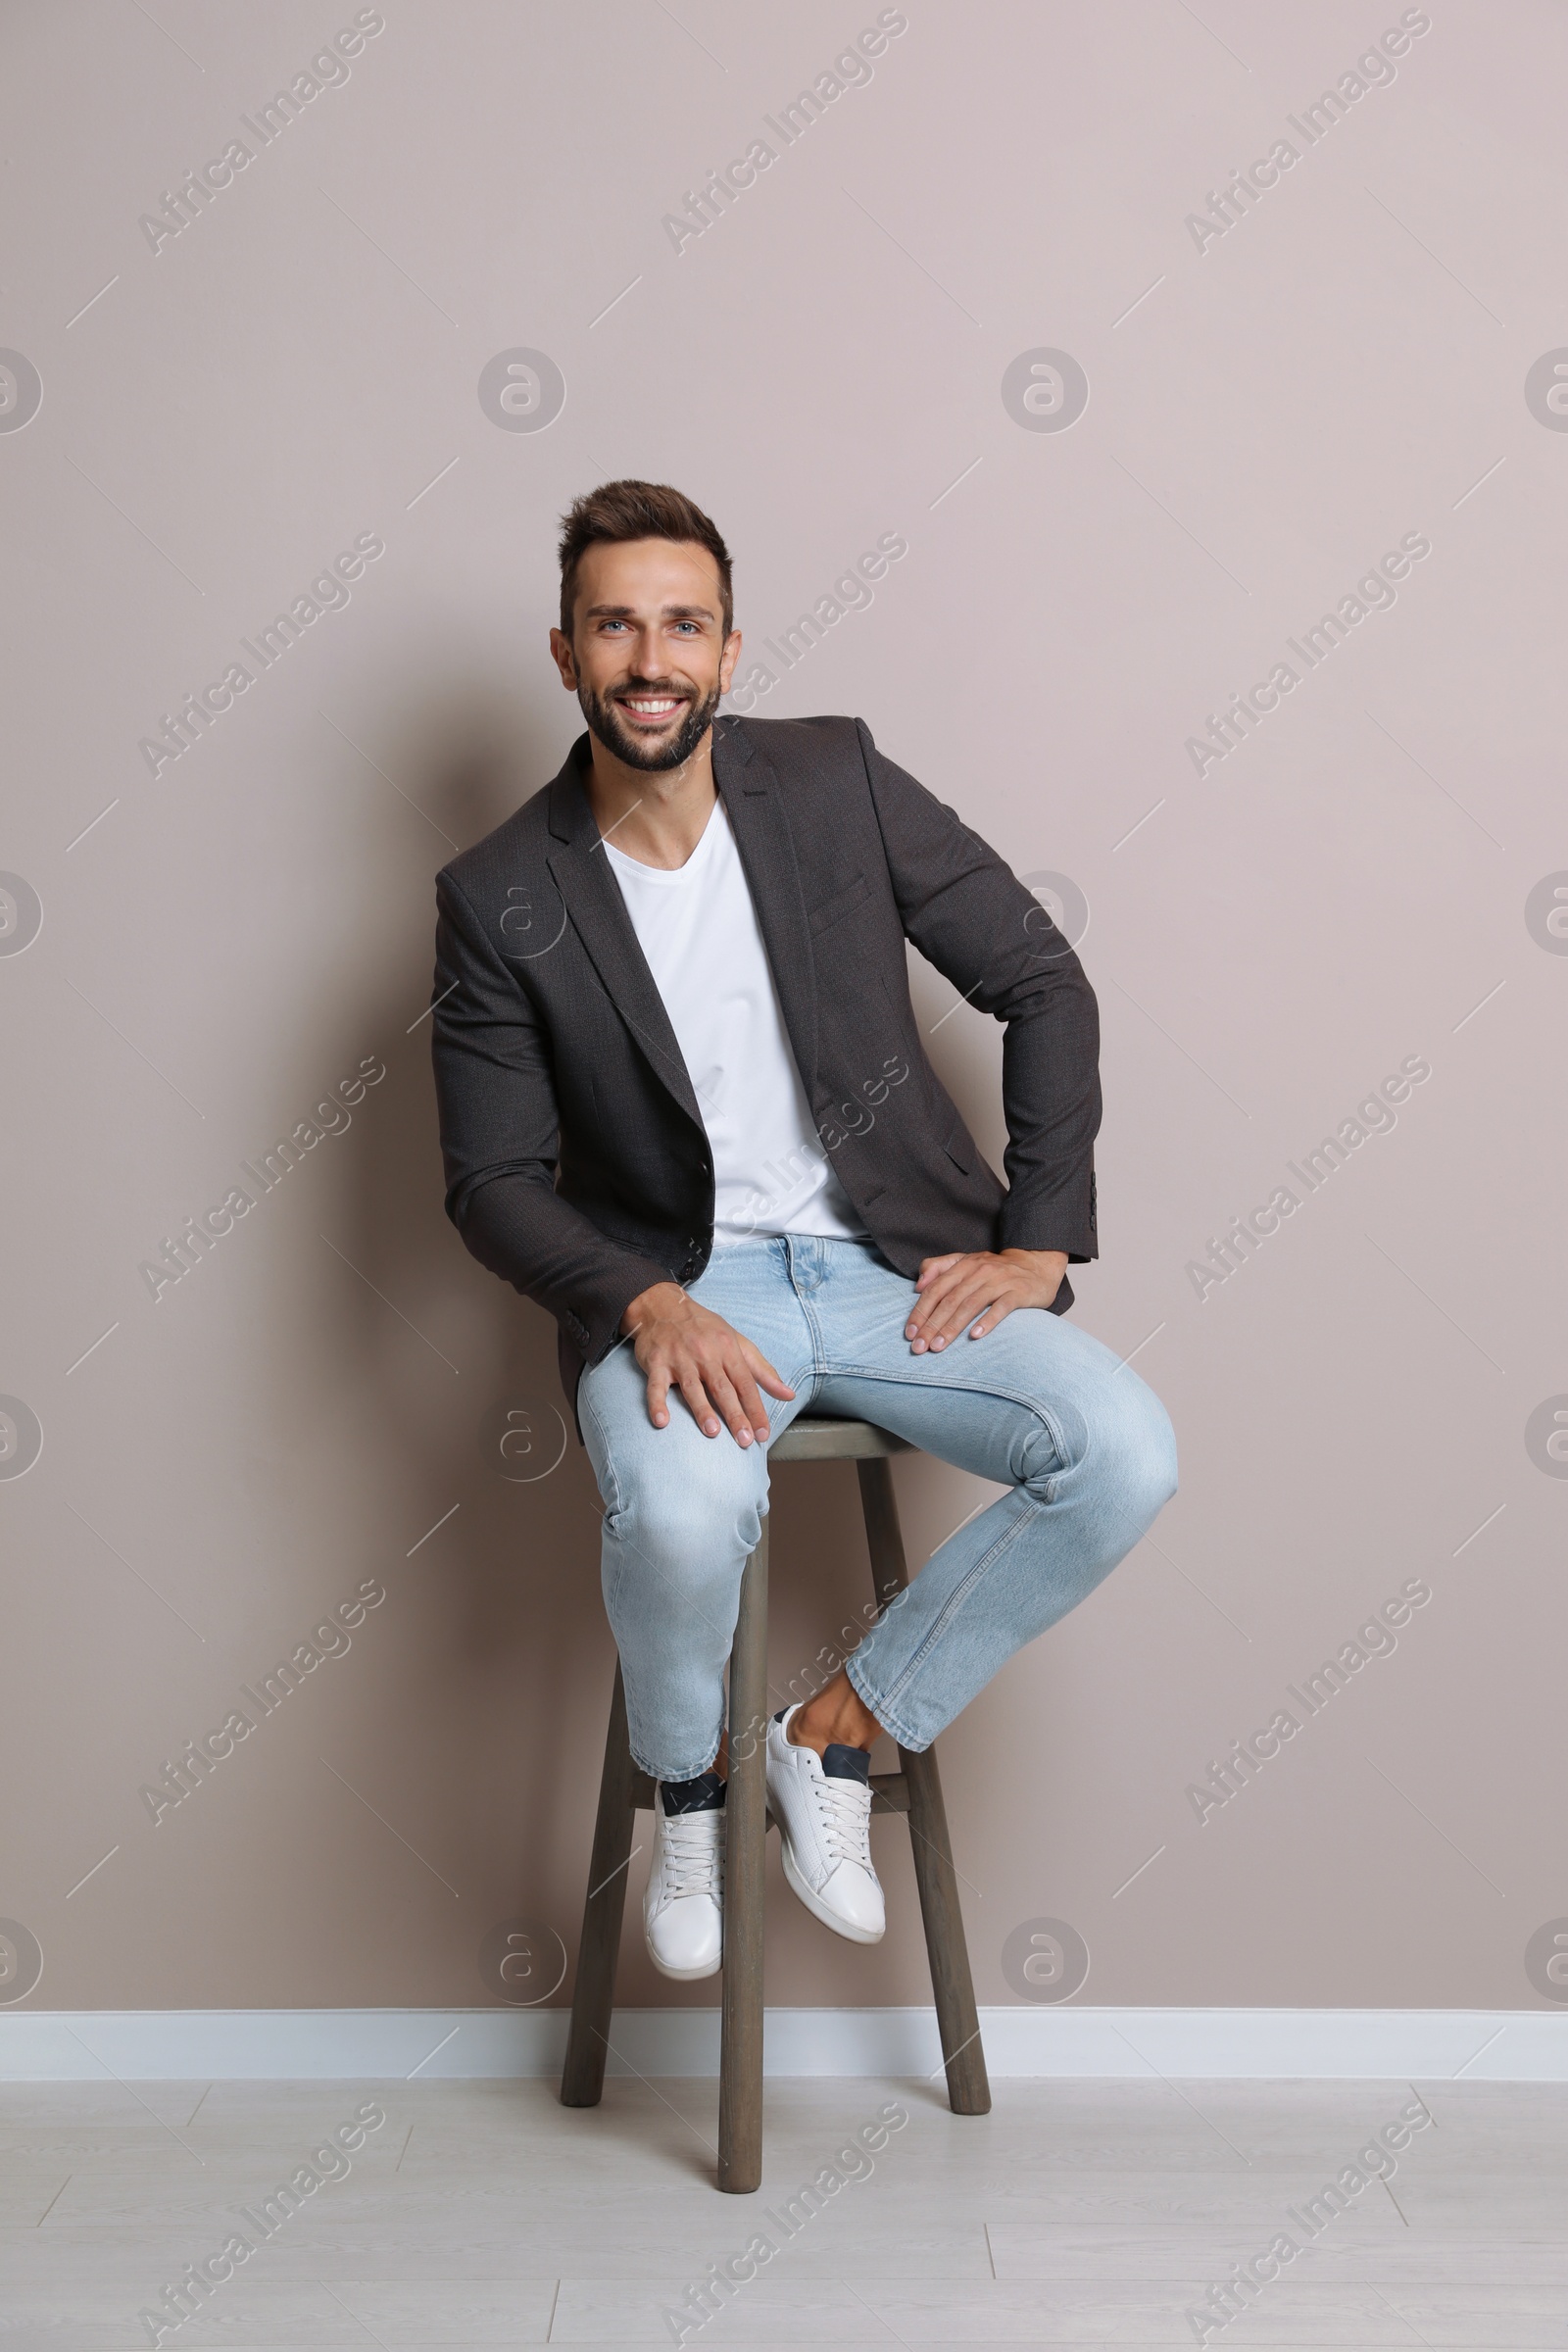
{"x": 971, "y": 916}
{"x": 500, "y": 1141}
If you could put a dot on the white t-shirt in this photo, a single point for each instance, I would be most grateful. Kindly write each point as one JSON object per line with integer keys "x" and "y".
{"x": 697, "y": 929}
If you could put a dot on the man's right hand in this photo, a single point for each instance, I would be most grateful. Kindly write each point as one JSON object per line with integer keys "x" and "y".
{"x": 683, "y": 1345}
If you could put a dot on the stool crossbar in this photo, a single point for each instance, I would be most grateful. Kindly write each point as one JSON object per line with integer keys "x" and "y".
{"x": 914, "y": 1790}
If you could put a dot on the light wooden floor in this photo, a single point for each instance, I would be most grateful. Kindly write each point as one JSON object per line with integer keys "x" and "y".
{"x": 1075, "y": 2214}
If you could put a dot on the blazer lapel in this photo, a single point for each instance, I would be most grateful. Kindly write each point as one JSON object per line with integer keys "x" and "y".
{"x": 749, "y": 789}
{"x": 598, "y": 911}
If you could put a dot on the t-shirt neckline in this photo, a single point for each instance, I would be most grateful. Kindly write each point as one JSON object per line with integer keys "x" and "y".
{"x": 670, "y": 873}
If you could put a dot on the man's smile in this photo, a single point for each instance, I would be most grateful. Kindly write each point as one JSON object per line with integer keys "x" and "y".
{"x": 650, "y": 710}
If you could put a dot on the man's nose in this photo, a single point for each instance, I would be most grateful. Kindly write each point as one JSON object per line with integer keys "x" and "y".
{"x": 646, "y": 657}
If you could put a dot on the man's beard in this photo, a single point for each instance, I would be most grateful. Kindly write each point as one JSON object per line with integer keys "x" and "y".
{"x": 606, "y": 724}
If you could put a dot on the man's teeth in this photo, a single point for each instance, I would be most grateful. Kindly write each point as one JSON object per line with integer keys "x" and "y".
{"x": 651, "y": 707}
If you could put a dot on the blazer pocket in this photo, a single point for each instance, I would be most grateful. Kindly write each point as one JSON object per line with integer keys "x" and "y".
{"x": 959, "y": 1147}
{"x": 842, "y": 903}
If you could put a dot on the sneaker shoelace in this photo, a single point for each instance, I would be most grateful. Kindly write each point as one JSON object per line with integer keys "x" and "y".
{"x": 692, "y": 1843}
{"x": 844, "y": 1820}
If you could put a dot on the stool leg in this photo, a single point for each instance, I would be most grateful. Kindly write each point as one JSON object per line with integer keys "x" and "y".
{"x": 740, "y": 2071}
{"x": 582, "y": 2078}
{"x": 957, "y": 2020}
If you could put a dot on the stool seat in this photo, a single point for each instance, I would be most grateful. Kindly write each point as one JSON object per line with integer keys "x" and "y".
{"x": 822, "y": 1437}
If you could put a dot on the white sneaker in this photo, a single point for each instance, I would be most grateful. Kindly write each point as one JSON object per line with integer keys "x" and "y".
{"x": 822, "y": 1806}
{"x": 683, "y": 1908}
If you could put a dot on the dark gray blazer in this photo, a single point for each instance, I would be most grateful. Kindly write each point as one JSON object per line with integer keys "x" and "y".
{"x": 576, "y": 1161}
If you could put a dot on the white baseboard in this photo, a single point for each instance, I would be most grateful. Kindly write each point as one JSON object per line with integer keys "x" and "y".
{"x": 176, "y": 2045}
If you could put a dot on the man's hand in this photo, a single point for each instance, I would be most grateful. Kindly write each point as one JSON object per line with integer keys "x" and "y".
{"x": 719, "y": 1373}
{"x": 987, "y": 1283}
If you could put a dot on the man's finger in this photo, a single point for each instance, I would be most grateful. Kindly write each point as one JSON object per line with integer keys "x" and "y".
{"x": 929, "y": 1300}
{"x": 928, "y": 1311}
{"x": 996, "y": 1312}
{"x": 752, "y": 1405}
{"x": 698, "y": 1400}
{"x": 959, "y": 1310}
{"x": 975, "y": 1299}
{"x": 763, "y": 1373}
{"x": 722, "y": 1391}
{"x": 658, "y": 1392}
{"x": 935, "y": 1265}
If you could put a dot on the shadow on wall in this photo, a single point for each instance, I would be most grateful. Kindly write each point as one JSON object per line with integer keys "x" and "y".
{"x": 459, "y": 1407}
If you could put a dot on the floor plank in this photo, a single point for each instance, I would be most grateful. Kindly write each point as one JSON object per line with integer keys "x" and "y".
{"x": 485, "y": 2214}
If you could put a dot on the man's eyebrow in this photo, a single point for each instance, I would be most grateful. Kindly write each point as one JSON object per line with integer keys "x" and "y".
{"x": 671, "y": 611}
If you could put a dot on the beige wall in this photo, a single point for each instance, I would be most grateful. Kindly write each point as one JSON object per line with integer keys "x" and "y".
{"x": 226, "y": 941}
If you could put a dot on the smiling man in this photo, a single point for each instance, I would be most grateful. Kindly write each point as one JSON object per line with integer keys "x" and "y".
{"x": 685, "y": 1105}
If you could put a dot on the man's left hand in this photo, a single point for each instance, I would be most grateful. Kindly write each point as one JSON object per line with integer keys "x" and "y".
{"x": 984, "y": 1283}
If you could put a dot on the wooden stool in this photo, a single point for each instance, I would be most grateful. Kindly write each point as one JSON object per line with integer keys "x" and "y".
{"x": 914, "y": 1790}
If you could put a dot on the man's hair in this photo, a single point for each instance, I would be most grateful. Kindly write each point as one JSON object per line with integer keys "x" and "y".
{"x": 618, "y": 511}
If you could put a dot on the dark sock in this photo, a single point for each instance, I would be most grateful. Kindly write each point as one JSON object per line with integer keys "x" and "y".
{"x": 702, "y": 1796}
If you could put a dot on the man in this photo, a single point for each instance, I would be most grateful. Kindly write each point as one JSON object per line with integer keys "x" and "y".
{"x": 685, "y": 1105}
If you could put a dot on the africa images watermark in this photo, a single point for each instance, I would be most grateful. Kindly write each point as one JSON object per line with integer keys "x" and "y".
{"x": 850, "y": 592}
{"x": 198, "y": 1759}
{"x": 198, "y": 1235}
{"x": 795, "y": 1171}
{"x": 705, "y": 2297}
{"x": 850, "y": 70}
{"x": 1231, "y": 204}
{"x": 328, "y": 592}
{"x": 179, "y": 207}
{"x": 819, "y": 1672}
{"x": 199, "y": 2281}
{"x": 1372, "y": 593}
{"x": 1374, "y": 1639}
{"x": 1229, "y": 2297}
{"x": 1373, "y": 1117}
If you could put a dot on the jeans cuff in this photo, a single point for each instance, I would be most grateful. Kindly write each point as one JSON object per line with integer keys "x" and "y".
{"x": 656, "y": 1772}
{"x": 886, "y": 1715}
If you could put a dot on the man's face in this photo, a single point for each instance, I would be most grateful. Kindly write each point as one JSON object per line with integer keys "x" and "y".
{"x": 648, "y": 658}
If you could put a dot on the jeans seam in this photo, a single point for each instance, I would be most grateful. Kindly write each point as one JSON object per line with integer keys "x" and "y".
{"x": 970, "y": 1387}
{"x": 655, "y": 1773}
{"x": 596, "y": 1418}
{"x": 902, "y": 1730}
{"x": 803, "y": 1379}
{"x": 813, "y": 1328}
{"x": 586, "y": 1405}
{"x": 961, "y": 1591}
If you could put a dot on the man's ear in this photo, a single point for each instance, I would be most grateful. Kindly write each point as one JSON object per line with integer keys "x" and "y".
{"x": 728, "y": 658}
{"x": 565, "y": 661}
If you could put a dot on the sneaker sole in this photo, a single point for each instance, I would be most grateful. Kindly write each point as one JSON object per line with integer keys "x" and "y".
{"x": 814, "y": 1904}
{"x": 682, "y": 1975}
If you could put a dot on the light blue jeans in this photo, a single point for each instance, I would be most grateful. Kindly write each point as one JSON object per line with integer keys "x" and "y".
{"x": 1085, "y": 1449}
